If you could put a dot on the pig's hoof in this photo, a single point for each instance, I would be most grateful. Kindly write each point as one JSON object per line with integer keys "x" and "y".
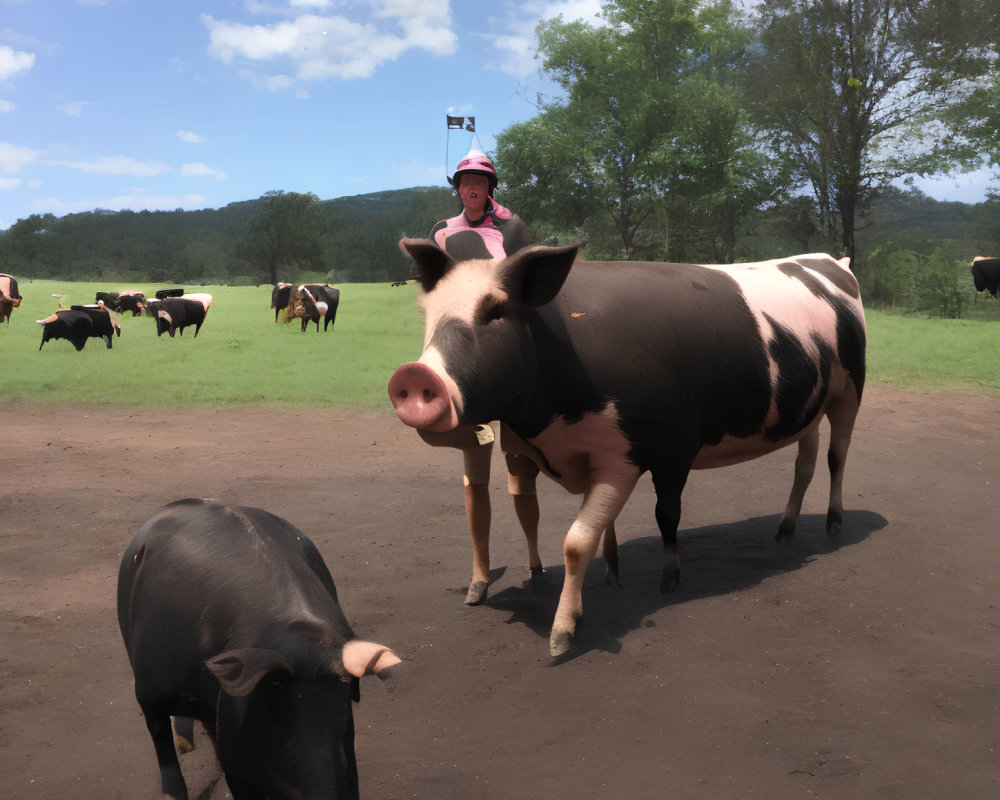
{"x": 834, "y": 522}
{"x": 537, "y": 579}
{"x": 477, "y": 593}
{"x": 560, "y": 642}
{"x": 670, "y": 580}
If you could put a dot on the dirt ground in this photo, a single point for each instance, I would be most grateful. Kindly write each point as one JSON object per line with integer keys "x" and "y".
{"x": 862, "y": 667}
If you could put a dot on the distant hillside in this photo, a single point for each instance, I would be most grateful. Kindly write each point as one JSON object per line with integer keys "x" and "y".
{"x": 360, "y": 243}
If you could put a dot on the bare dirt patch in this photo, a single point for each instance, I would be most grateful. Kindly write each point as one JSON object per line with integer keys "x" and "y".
{"x": 862, "y": 667}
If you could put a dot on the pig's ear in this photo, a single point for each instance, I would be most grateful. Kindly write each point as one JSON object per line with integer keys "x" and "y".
{"x": 432, "y": 262}
{"x": 239, "y": 671}
{"x": 534, "y": 275}
{"x": 367, "y": 658}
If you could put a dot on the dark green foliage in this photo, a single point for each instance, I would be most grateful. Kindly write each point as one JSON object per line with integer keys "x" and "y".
{"x": 357, "y": 241}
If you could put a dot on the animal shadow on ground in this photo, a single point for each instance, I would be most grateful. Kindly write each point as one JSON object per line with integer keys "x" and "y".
{"x": 715, "y": 560}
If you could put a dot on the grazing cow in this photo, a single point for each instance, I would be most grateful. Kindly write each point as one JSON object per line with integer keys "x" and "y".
{"x": 76, "y": 324}
{"x": 230, "y": 616}
{"x": 133, "y": 302}
{"x": 110, "y": 299}
{"x": 10, "y": 297}
{"x": 129, "y": 301}
{"x": 174, "y": 314}
{"x": 607, "y": 370}
{"x": 281, "y": 299}
{"x": 285, "y": 297}
{"x": 305, "y": 306}
{"x": 986, "y": 274}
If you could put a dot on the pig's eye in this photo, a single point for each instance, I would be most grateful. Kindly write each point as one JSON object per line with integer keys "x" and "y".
{"x": 493, "y": 313}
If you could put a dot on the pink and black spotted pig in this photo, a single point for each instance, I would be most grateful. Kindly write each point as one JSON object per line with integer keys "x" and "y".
{"x": 607, "y": 370}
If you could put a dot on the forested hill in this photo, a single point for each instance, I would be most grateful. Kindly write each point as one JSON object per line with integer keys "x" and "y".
{"x": 360, "y": 235}
{"x": 359, "y": 239}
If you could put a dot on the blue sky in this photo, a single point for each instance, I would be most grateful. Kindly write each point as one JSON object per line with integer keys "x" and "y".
{"x": 143, "y": 104}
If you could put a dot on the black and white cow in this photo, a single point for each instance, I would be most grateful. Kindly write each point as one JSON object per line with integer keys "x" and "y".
{"x": 174, "y": 314}
{"x": 76, "y": 324}
{"x": 287, "y": 297}
{"x": 607, "y": 370}
{"x": 230, "y": 616}
{"x": 304, "y": 306}
{"x": 10, "y": 297}
{"x": 130, "y": 301}
{"x": 986, "y": 274}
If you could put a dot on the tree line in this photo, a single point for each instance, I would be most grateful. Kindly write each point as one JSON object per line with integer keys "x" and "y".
{"x": 279, "y": 236}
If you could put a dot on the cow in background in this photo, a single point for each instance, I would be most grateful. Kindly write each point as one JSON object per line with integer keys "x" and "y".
{"x": 281, "y": 298}
{"x": 285, "y": 297}
{"x": 174, "y": 314}
{"x": 986, "y": 274}
{"x": 76, "y": 324}
{"x": 131, "y": 301}
{"x": 10, "y": 297}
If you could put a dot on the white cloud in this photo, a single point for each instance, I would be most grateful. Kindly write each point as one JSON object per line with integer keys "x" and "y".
{"x": 322, "y": 47}
{"x": 274, "y": 83}
{"x": 190, "y": 138}
{"x": 74, "y": 108}
{"x": 199, "y": 170}
{"x": 6, "y": 106}
{"x": 9, "y": 184}
{"x": 515, "y": 42}
{"x": 14, "y": 61}
{"x": 13, "y": 157}
{"x": 117, "y": 165}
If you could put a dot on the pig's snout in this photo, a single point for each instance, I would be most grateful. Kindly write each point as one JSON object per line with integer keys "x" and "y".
{"x": 421, "y": 398}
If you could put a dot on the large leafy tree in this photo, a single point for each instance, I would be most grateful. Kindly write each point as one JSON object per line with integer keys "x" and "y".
{"x": 287, "y": 230}
{"x": 857, "y": 93}
{"x": 649, "y": 131}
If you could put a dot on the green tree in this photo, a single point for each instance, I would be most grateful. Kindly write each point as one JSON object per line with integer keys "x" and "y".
{"x": 23, "y": 241}
{"x": 855, "y": 93}
{"x": 286, "y": 230}
{"x": 649, "y": 135}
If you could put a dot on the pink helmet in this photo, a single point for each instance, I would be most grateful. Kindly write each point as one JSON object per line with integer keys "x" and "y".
{"x": 475, "y": 163}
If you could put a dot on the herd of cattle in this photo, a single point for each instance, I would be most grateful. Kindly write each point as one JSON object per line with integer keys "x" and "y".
{"x": 598, "y": 373}
{"x": 173, "y": 310}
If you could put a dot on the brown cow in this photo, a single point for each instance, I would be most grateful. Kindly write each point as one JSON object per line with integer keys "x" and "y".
{"x": 10, "y": 297}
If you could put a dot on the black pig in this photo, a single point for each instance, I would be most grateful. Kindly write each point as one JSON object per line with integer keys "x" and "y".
{"x": 230, "y": 616}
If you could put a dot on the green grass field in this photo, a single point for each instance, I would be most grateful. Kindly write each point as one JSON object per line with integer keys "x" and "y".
{"x": 242, "y": 358}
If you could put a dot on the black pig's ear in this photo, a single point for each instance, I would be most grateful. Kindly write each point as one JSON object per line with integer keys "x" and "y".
{"x": 534, "y": 275}
{"x": 239, "y": 671}
{"x": 432, "y": 263}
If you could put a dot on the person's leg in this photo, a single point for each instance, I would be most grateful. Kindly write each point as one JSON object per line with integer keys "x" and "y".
{"x": 478, "y": 512}
{"x": 476, "y": 444}
{"x": 521, "y": 475}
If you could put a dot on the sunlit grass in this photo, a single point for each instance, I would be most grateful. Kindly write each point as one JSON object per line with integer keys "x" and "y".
{"x": 934, "y": 355}
{"x": 241, "y": 357}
